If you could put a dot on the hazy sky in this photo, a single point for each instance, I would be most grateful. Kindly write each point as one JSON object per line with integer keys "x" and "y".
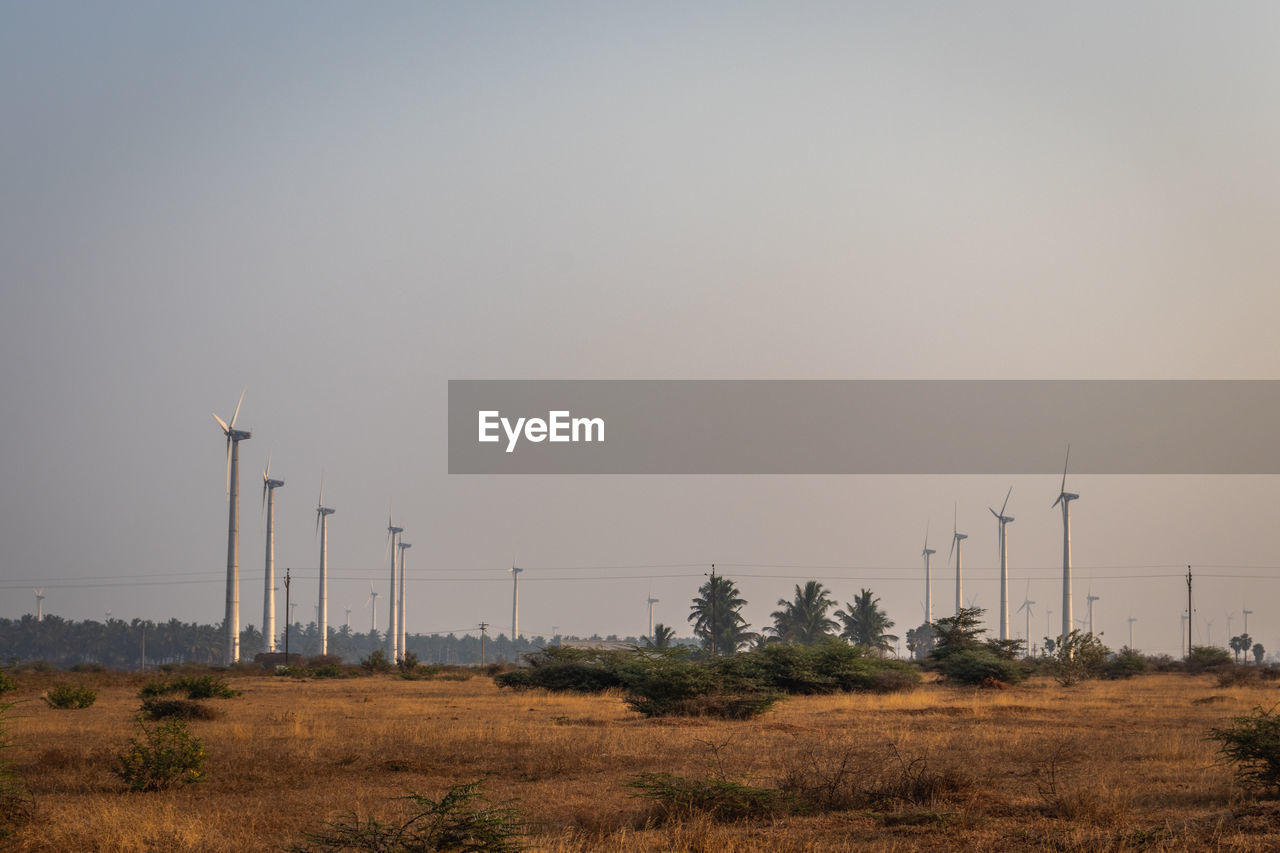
{"x": 341, "y": 206}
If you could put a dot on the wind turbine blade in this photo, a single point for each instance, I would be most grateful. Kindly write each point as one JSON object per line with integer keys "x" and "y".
{"x": 926, "y": 536}
{"x": 320, "y": 500}
{"x": 266, "y": 475}
{"x": 952, "y": 550}
{"x": 221, "y": 423}
{"x": 993, "y": 512}
{"x": 1058, "y": 501}
{"x": 1064, "y": 469}
{"x": 1006, "y": 500}
{"x": 237, "y": 412}
{"x": 264, "y": 494}
{"x": 317, "y": 521}
{"x": 955, "y": 520}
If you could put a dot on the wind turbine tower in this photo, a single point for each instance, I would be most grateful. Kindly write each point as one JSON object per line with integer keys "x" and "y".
{"x": 1027, "y": 606}
{"x": 1247, "y": 613}
{"x": 40, "y": 604}
{"x": 1002, "y": 520}
{"x": 231, "y": 619}
{"x": 322, "y": 526}
{"x": 956, "y": 539}
{"x": 515, "y": 604}
{"x": 1131, "y": 621}
{"x": 1089, "y": 599}
{"x": 928, "y": 591}
{"x": 403, "y": 546}
{"x": 269, "y": 487}
{"x": 372, "y": 604}
{"x": 652, "y": 601}
{"x": 348, "y": 623}
{"x": 393, "y": 636}
{"x": 1065, "y": 498}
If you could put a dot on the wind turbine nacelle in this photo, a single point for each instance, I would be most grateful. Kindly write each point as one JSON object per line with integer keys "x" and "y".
{"x": 1005, "y": 519}
{"x": 1067, "y": 496}
{"x": 238, "y": 434}
{"x": 961, "y": 536}
{"x": 274, "y": 484}
{"x": 927, "y": 551}
{"x": 324, "y": 510}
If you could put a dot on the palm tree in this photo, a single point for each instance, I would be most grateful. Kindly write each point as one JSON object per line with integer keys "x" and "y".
{"x": 662, "y": 637}
{"x": 716, "y": 619}
{"x": 865, "y": 624}
{"x": 805, "y": 619}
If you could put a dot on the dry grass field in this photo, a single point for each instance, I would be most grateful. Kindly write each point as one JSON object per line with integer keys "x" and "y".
{"x": 1101, "y": 766}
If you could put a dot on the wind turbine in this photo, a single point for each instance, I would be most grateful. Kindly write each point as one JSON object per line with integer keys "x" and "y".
{"x": 269, "y": 487}
{"x": 348, "y": 623}
{"x": 652, "y": 601}
{"x": 1026, "y": 605}
{"x": 322, "y": 527}
{"x": 403, "y": 546}
{"x": 515, "y": 603}
{"x": 956, "y": 539}
{"x": 1002, "y": 520}
{"x": 231, "y": 620}
{"x": 1089, "y": 599}
{"x": 1065, "y": 498}
{"x": 928, "y": 592}
{"x": 1131, "y": 621}
{"x": 1247, "y": 613}
{"x": 372, "y": 604}
{"x": 393, "y": 636}
{"x": 39, "y": 604}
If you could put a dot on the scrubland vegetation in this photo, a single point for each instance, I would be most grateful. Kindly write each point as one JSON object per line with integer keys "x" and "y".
{"x": 311, "y": 763}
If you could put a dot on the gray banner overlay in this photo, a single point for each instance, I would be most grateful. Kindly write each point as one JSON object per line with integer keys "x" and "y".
{"x": 864, "y": 427}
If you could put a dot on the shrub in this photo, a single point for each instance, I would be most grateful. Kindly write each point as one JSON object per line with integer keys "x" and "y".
{"x": 159, "y": 708}
{"x": 376, "y": 662}
{"x": 462, "y": 820}
{"x": 165, "y": 754}
{"x": 66, "y": 697}
{"x": 1078, "y": 657}
{"x": 1204, "y": 658}
{"x": 1252, "y": 743}
{"x": 678, "y": 797}
{"x": 195, "y": 686}
{"x": 7, "y": 683}
{"x": 1125, "y": 663}
{"x": 974, "y": 666}
{"x": 1238, "y": 675}
{"x": 86, "y": 666}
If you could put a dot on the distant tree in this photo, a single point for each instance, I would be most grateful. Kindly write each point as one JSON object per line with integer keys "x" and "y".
{"x": 1258, "y": 653}
{"x": 920, "y": 640}
{"x": 716, "y": 614}
{"x": 958, "y": 633}
{"x": 662, "y": 637}
{"x": 804, "y": 620}
{"x": 865, "y": 624}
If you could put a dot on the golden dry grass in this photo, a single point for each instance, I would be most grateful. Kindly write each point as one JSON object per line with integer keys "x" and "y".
{"x": 1130, "y": 764}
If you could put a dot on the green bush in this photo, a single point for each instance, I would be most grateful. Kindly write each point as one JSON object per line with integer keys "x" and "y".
{"x": 6, "y": 683}
{"x": 462, "y": 820}
{"x": 164, "y": 755}
{"x": 160, "y": 708}
{"x": 1078, "y": 657}
{"x": 974, "y": 666}
{"x": 195, "y": 686}
{"x": 679, "y": 797}
{"x": 1125, "y": 663}
{"x": 66, "y": 697}
{"x": 376, "y": 662}
{"x": 1252, "y": 743}
{"x": 1203, "y": 658}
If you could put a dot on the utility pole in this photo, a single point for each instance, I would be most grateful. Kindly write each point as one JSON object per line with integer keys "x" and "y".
{"x": 713, "y": 609}
{"x": 1189, "y": 613}
{"x": 288, "y": 611}
{"x": 483, "y": 625}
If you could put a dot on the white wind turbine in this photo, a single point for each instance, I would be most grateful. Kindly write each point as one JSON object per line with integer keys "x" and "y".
{"x": 403, "y": 546}
{"x": 1089, "y": 599}
{"x": 1026, "y": 605}
{"x": 515, "y": 604}
{"x": 1065, "y": 498}
{"x": 956, "y": 539}
{"x": 1002, "y": 520}
{"x": 39, "y": 604}
{"x": 1131, "y": 621}
{"x": 372, "y": 604}
{"x": 322, "y": 527}
{"x": 231, "y": 620}
{"x": 393, "y": 634}
{"x": 269, "y": 487}
{"x": 652, "y": 601}
{"x": 928, "y": 590}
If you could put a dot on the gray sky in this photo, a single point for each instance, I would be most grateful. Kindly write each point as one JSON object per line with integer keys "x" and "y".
{"x": 341, "y": 206}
